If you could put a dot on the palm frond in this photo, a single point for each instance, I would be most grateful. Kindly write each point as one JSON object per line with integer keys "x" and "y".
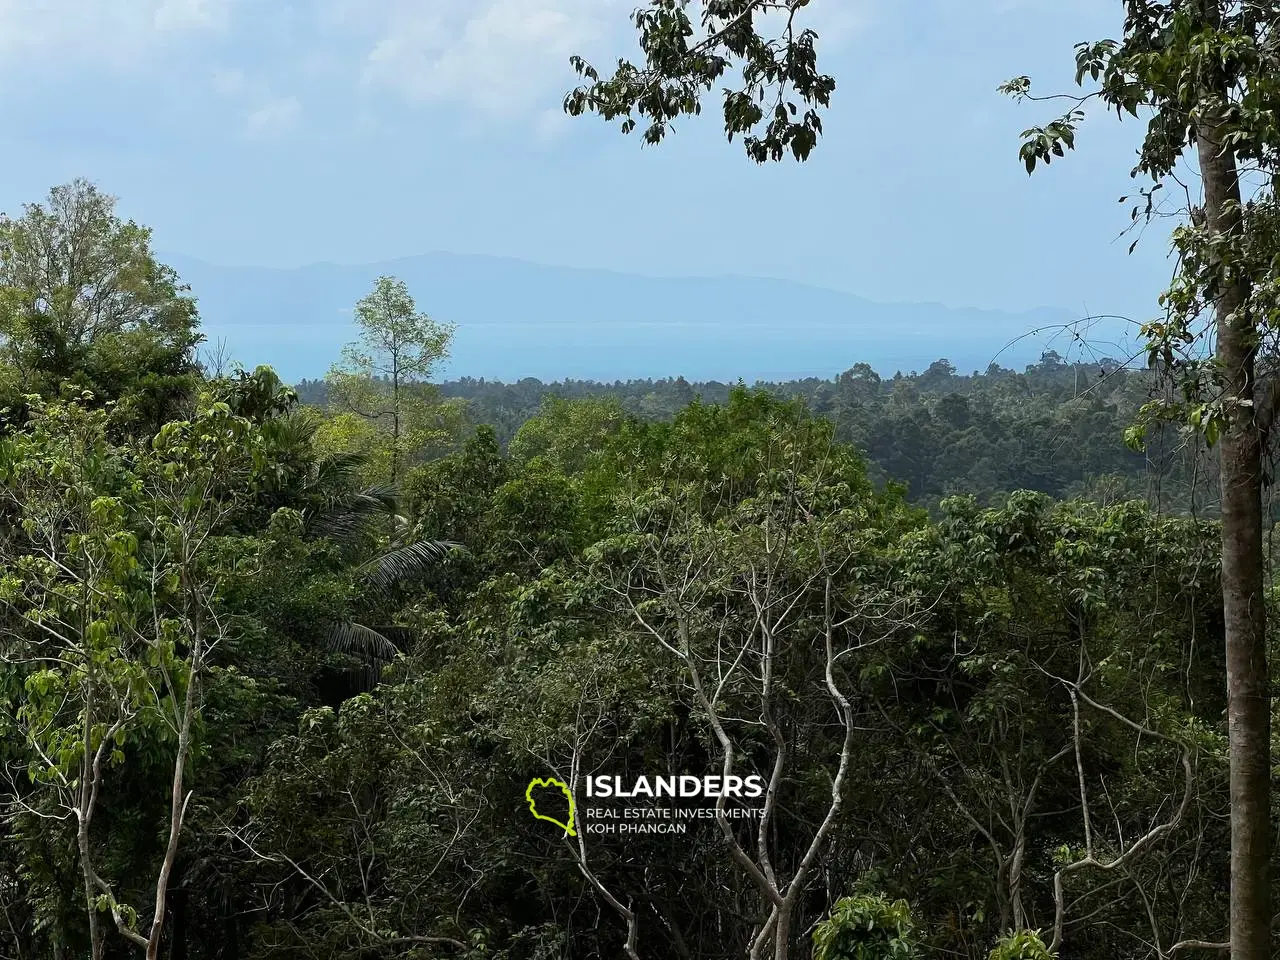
{"x": 343, "y": 516}
{"x": 335, "y": 473}
{"x": 293, "y": 430}
{"x": 404, "y": 563}
{"x": 403, "y": 637}
{"x": 374, "y": 647}
{"x": 357, "y": 640}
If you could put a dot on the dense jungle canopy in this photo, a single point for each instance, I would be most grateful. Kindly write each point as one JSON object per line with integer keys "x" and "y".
{"x": 280, "y": 666}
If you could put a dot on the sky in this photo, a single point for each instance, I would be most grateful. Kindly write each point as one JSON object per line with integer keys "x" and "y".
{"x": 288, "y": 132}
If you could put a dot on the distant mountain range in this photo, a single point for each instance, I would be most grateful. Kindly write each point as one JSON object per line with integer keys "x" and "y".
{"x": 518, "y": 319}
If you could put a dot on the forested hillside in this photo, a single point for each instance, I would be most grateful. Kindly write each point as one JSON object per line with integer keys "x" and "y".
{"x": 383, "y": 668}
{"x": 1057, "y": 427}
{"x": 280, "y": 679}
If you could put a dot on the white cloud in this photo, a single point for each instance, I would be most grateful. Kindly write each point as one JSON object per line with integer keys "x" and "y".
{"x": 266, "y": 114}
{"x": 504, "y": 58}
{"x": 511, "y": 56}
{"x": 116, "y": 32}
{"x": 501, "y": 56}
{"x": 836, "y": 21}
{"x": 275, "y": 117}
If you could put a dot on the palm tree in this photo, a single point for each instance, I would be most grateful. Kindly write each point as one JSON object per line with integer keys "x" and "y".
{"x": 359, "y": 521}
{"x": 363, "y": 522}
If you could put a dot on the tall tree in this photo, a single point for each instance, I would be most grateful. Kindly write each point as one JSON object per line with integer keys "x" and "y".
{"x": 110, "y": 614}
{"x": 382, "y": 375}
{"x": 85, "y": 303}
{"x": 1208, "y": 73}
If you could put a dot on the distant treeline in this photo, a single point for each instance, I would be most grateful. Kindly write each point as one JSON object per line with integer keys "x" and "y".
{"x": 1057, "y": 427}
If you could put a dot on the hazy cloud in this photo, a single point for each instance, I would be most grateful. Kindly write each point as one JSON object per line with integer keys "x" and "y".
{"x": 112, "y": 31}
{"x": 499, "y": 56}
{"x": 266, "y": 114}
{"x": 174, "y": 15}
{"x": 511, "y": 56}
{"x": 273, "y": 118}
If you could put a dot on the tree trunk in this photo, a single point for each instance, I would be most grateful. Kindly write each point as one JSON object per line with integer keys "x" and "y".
{"x": 177, "y": 795}
{"x": 395, "y": 416}
{"x": 1240, "y": 453}
{"x": 782, "y": 931}
{"x": 97, "y": 936}
{"x": 1015, "y": 879}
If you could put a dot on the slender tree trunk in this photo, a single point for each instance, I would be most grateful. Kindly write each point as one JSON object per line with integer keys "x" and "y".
{"x": 97, "y": 937}
{"x": 395, "y": 417}
{"x": 177, "y": 809}
{"x": 1015, "y": 879}
{"x": 782, "y": 931}
{"x": 177, "y": 792}
{"x": 84, "y": 811}
{"x": 1240, "y": 453}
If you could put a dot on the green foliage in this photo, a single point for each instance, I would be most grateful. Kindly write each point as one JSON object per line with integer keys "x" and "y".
{"x": 1058, "y": 428}
{"x": 1205, "y": 76}
{"x": 386, "y": 410}
{"x": 1021, "y": 945}
{"x": 568, "y": 434}
{"x": 525, "y": 652}
{"x": 111, "y": 613}
{"x": 376, "y": 701}
{"x": 777, "y": 106}
{"x": 85, "y": 306}
{"x": 451, "y": 495}
{"x": 866, "y": 928}
{"x": 1217, "y": 62}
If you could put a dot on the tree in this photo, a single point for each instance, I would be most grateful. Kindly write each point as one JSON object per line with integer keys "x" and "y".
{"x": 1029, "y": 684}
{"x": 777, "y": 105}
{"x": 566, "y": 433}
{"x": 110, "y": 618}
{"x": 85, "y": 304}
{"x": 384, "y": 825}
{"x": 752, "y": 562}
{"x": 382, "y": 376}
{"x": 322, "y": 498}
{"x": 1207, "y": 71}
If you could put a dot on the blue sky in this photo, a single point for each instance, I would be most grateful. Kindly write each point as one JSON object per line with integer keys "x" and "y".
{"x": 280, "y": 133}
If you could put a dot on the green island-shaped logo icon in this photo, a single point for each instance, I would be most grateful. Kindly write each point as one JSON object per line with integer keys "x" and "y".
{"x": 549, "y": 783}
